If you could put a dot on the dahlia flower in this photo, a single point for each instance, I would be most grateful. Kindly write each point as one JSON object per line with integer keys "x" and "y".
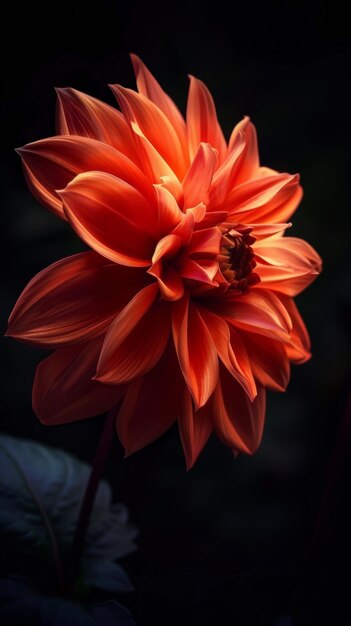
{"x": 183, "y": 307}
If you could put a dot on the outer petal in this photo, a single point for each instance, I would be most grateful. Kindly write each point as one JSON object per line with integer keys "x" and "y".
{"x": 149, "y": 87}
{"x": 262, "y": 231}
{"x": 112, "y": 217}
{"x": 231, "y": 350}
{"x": 283, "y": 205}
{"x": 258, "y": 311}
{"x": 238, "y": 421}
{"x": 224, "y": 177}
{"x": 80, "y": 114}
{"x": 247, "y": 165}
{"x": 286, "y": 264}
{"x": 201, "y": 118}
{"x": 298, "y": 350}
{"x": 154, "y": 124}
{"x": 269, "y": 361}
{"x": 136, "y": 340}
{"x": 50, "y": 164}
{"x": 195, "y": 427}
{"x": 196, "y": 351}
{"x": 248, "y": 202}
{"x": 197, "y": 182}
{"x": 72, "y": 300}
{"x": 63, "y": 388}
{"x": 151, "y": 404}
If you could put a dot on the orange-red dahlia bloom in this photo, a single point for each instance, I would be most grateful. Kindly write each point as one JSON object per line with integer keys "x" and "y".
{"x": 183, "y": 309}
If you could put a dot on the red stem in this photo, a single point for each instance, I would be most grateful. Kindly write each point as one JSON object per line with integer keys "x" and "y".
{"x": 99, "y": 465}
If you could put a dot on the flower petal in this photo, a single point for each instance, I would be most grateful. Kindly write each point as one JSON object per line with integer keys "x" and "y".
{"x": 154, "y": 165}
{"x": 170, "y": 284}
{"x": 197, "y": 182}
{"x": 286, "y": 264}
{"x": 72, "y": 300}
{"x": 205, "y": 243}
{"x": 231, "y": 350}
{"x": 149, "y": 87}
{"x": 112, "y": 217}
{"x": 248, "y": 202}
{"x": 224, "y": 177}
{"x": 269, "y": 361}
{"x": 154, "y": 125}
{"x": 298, "y": 350}
{"x": 195, "y": 427}
{"x": 260, "y": 312}
{"x": 196, "y": 351}
{"x": 50, "y": 164}
{"x": 203, "y": 271}
{"x": 284, "y": 204}
{"x": 262, "y": 231}
{"x": 201, "y": 118}
{"x": 63, "y": 388}
{"x": 169, "y": 213}
{"x": 247, "y": 165}
{"x": 135, "y": 340}
{"x": 151, "y": 403}
{"x": 80, "y": 114}
{"x": 239, "y": 422}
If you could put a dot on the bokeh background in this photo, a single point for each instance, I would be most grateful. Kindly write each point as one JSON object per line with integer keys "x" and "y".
{"x": 232, "y": 541}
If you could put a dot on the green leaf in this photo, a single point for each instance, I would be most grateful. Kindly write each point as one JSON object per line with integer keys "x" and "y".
{"x": 20, "y": 604}
{"x": 41, "y": 490}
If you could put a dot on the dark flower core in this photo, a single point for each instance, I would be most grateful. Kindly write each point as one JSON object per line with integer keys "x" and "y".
{"x": 238, "y": 258}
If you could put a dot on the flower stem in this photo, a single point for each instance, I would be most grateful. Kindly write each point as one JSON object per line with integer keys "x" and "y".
{"x": 99, "y": 465}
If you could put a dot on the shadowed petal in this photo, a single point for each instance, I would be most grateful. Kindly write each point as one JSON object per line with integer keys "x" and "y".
{"x": 50, "y": 164}
{"x": 196, "y": 351}
{"x": 238, "y": 421}
{"x": 286, "y": 264}
{"x": 269, "y": 362}
{"x": 63, "y": 388}
{"x": 151, "y": 403}
{"x": 72, "y": 301}
{"x": 201, "y": 119}
{"x": 112, "y": 217}
{"x": 195, "y": 427}
{"x": 80, "y": 114}
{"x": 136, "y": 339}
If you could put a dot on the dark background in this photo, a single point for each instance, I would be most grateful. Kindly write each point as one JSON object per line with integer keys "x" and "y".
{"x": 233, "y": 541}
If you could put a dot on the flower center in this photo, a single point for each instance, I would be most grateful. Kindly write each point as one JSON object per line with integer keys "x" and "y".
{"x": 237, "y": 258}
